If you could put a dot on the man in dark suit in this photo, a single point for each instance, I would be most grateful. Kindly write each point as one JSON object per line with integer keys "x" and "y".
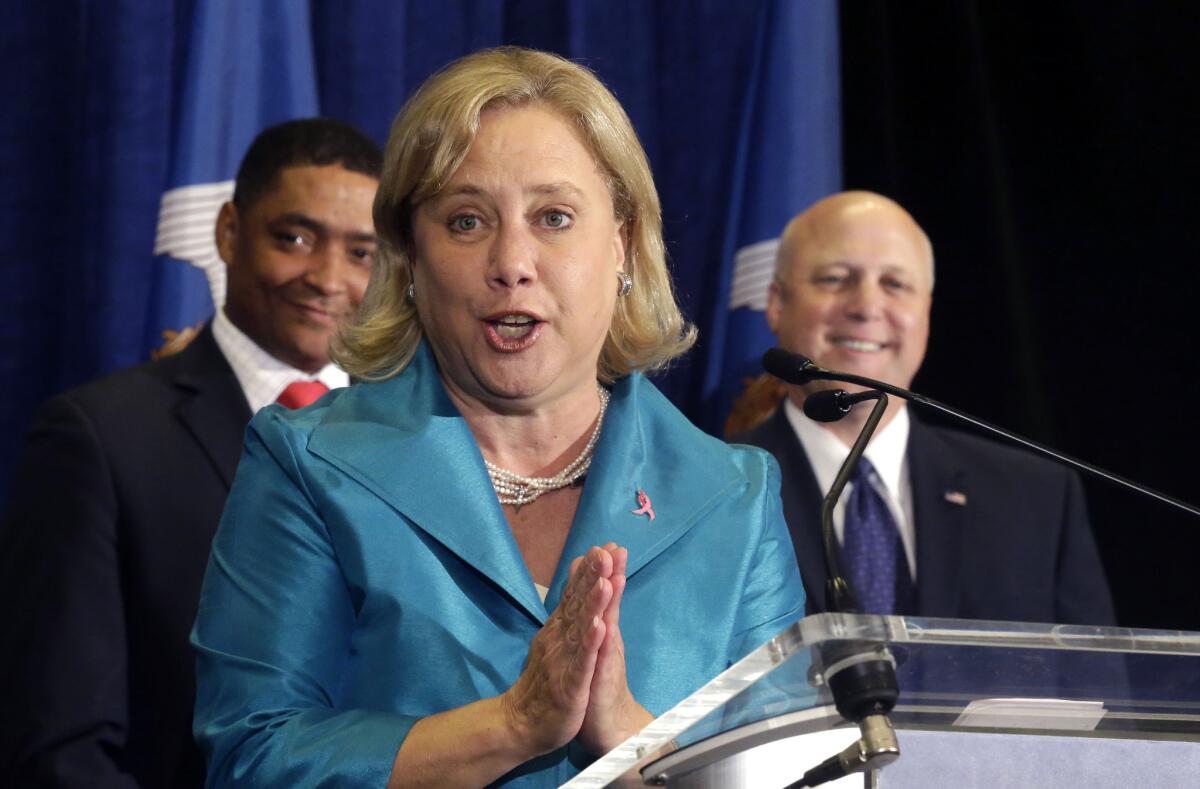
{"x": 975, "y": 530}
{"x": 122, "y": 483}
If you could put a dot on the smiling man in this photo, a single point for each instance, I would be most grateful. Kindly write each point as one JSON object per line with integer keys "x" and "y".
{"x": 123, "y": 480}
{"x": 940, "y": 523}
{"x": 299, "y": 257}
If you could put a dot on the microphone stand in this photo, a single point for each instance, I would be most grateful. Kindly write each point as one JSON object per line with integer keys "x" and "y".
{"x": 861, "y": 676}
{"x": 865, "y": 690}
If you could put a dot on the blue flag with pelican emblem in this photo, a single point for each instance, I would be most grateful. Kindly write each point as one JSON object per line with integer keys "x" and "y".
{"x": 248, "y": 65}
{"x": 788, "y": 156}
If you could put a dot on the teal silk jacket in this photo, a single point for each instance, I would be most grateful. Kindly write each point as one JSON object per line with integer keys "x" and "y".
{"x": 364, "y": 577}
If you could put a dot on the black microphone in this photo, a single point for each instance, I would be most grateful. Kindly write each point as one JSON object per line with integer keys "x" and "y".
{"x": 830, "y": 405}
{"x": 790, "y": 367}
{"x": 796, "y": 369}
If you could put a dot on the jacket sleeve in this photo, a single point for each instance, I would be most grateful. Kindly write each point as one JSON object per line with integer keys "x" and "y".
{"x": 273, "y": 636}
{"x": 773, "y": 596}
{"x": 66, "y": 714}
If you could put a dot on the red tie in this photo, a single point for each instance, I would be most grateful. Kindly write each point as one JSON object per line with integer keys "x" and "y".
{"x": 301, "y": 393}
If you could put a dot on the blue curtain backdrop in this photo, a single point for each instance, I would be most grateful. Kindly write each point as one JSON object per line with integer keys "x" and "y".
{"x": 111, "y": 104}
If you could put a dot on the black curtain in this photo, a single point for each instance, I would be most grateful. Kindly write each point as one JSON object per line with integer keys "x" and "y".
{"x": 1049, "y": 149}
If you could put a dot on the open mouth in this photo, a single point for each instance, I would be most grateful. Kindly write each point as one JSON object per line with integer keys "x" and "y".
{"x": 513, "y": 327}
{"x": 512, "y": 331}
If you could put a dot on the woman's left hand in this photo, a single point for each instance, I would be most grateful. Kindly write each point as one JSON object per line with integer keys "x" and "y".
{"x": 612, "y": 713}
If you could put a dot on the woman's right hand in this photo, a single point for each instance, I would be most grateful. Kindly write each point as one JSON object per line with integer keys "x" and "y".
{"x": 547, "y": 704}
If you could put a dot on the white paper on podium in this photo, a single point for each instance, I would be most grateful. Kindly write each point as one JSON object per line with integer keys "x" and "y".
{"x": 1051, "y": 714}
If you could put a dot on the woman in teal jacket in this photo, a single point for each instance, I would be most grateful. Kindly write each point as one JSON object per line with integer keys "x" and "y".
{"x": 505, "y": 552}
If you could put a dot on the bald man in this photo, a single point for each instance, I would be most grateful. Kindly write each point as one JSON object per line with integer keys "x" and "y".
{"x": 951, "y": 525}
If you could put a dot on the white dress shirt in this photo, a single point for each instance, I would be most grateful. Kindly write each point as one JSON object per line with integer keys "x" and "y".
{"x": 887, "y": 454}
{"x": 261, "y": 376}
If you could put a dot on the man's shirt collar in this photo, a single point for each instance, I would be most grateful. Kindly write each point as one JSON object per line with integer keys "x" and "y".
{"x": 261, "y": 376}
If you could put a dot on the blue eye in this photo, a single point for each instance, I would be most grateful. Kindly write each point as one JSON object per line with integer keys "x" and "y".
{"x": 464, "y": 223}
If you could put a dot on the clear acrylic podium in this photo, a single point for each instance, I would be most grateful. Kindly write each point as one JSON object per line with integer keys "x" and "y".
{"x": 982, "y": 704}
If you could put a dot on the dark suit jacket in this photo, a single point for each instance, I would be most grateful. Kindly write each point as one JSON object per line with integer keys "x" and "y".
{"x": 1019, "y": 548}
{"x": 102, "y": 550}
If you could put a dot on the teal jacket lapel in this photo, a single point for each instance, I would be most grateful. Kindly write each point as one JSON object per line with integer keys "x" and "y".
{"x": 389, "y": 435}
{"x": 646, "y": 445}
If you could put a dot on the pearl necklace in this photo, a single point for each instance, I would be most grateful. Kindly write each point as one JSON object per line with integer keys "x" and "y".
{"x": 517, "y": 489}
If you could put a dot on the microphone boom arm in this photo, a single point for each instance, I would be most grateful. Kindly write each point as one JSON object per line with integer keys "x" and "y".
{"x": 796, "y": 369}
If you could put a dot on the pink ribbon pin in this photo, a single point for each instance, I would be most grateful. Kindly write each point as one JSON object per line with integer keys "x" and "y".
{"x": 644, "y": 501}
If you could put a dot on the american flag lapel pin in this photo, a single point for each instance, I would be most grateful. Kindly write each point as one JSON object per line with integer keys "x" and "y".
{"x": 644, "y": 505}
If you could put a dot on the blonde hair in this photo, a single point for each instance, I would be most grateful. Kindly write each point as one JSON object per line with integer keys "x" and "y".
{"x": 429, "y": 140}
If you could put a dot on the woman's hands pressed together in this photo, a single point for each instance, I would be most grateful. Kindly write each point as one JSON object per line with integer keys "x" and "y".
{"x": 612, "y": 713}
{"x": 574, "y": 683}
